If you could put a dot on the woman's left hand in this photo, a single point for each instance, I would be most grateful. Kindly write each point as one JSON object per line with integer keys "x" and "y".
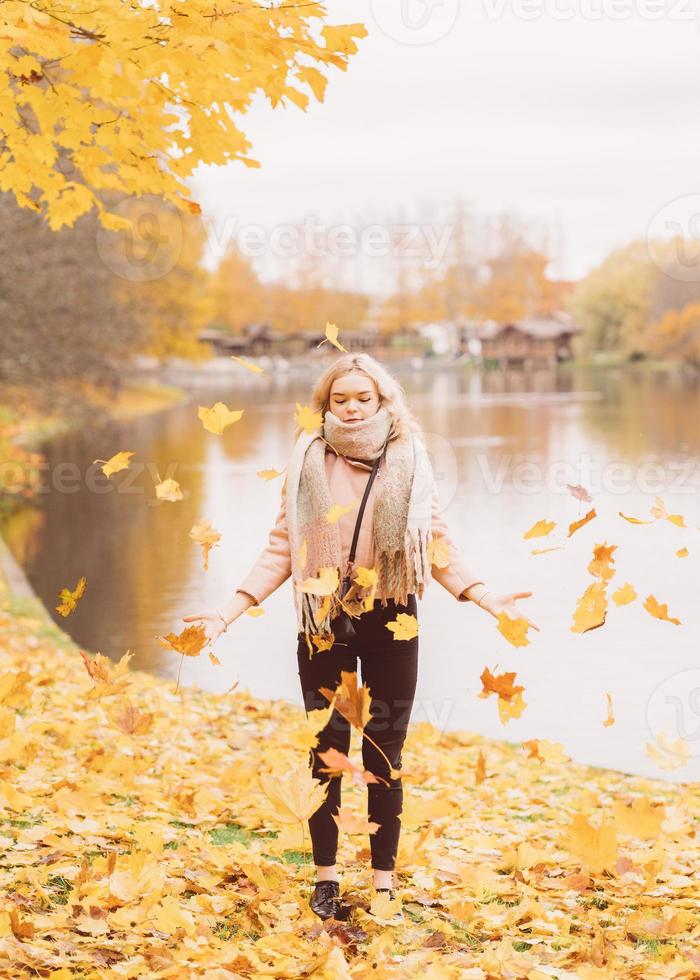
{"x": 496, "y": 604}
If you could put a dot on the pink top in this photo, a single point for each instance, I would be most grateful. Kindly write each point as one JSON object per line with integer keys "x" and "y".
{"x": 347, "y": 482}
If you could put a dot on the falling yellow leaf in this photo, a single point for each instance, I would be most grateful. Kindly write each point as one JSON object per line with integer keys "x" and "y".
{"x": 633, "y": 520}
{"x": 591, "y": 609}
{"x": 682, "y": 553}
{"x": 351, "y": 823}
{"x": 624, "y": 595}
{"x": 438, "y": 553}
{"x": 69, "y": 600}
{"x": 332, "y": 336}
{"x": 584, "y": 520}
{"x": 307, "y": 419}
{"x": 601, "y": 564}
{"x": 295, "y": 797}
{"x": 404, "y": 627}
{"x": 168, "y": 490}
{"x": 514, "y": 630}
{"x": 207, "y": 537}
{"x": 540, "y": 529}
{"x": 660, "y": 513}
{"x": 610, "y": 720}
{"x": 351, "y": 701}
{"x": 325, "y": 584}
{"x": 659, "y": 610}
{"x": 269, "y": 474}
{"x": 218, "y": 417}
{"x": 247, "y": 364}
{"x": 337, "y": 511}
{"x": 120, "y": 461}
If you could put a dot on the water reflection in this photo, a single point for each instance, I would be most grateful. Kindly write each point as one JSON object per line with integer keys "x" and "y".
{"x": 506, "y": 445}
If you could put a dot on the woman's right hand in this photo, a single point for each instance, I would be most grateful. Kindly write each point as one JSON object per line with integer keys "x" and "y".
{"x": 212, "y": 622}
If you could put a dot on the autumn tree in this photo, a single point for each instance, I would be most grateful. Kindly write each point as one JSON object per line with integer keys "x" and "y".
{"x": 133, "y": 98}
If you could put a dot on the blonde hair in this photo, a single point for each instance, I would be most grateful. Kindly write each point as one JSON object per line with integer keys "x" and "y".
{"x": 391, "y": 392}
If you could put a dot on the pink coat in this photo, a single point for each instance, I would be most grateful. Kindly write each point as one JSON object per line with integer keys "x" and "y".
{"x": 347, "y": 482}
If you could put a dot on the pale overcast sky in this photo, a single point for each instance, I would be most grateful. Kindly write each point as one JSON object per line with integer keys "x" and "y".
{"x": 579, "y": 115}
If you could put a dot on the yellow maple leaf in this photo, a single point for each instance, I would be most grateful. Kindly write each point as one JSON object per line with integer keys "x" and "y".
{"x": 595, "y": 847}
{"x": 247, "y": 364}
{"x": 307, "y": 419}
{"x": 207, "y": 537}
{"x": 351, "y": 701}
{"x": 404, "y": 627}
{"x": 610, "y": 719}
{"x": 584, "y": 520}
{"x": 332, "y": 336}
{"x": 624, "y": 595}
{"x": 682, "y": 553}
{"x": 337, "y": 511}
{"x": 540, "y": 529}
{"x": 120, "y": 461}
{"x": 218, "y": 417}
{"x": 325, "y": 584}
{"x": 591, "y": 609}
{"x": 295, "y": 797}
{"x": 69, "y": 600}
{"x": 190, "y": 641}
{"x": 511, "y": 708}
{"x": 659, "y": 610}
{"x": 514, "y": 630}
{"x": 352, "y": 823}
{"x": 438, "y": 553}
{"x": 168, "y": 489}
{"x": 269, "y": 474}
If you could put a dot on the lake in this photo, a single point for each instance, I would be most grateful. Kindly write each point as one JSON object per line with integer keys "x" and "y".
{"x": 504, "y": 444}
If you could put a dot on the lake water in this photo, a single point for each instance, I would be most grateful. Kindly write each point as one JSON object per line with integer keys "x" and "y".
{"x": 503, "y": 445}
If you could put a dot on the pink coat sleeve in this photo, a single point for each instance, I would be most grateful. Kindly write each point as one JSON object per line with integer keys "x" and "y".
{"x": 456, "y": 576}
{"x": 273, "y": 566}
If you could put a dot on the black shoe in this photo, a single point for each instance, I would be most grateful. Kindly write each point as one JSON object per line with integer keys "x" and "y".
{"x": 325, "y": 899}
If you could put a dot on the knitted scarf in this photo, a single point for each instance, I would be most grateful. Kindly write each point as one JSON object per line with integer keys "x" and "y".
{"x": 402, "y": 513}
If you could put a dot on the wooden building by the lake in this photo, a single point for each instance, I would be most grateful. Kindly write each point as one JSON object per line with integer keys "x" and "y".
{"x": 529, "y": 341}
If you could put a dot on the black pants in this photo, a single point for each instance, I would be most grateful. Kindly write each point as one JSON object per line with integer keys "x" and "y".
{"x": 389, "y": 669}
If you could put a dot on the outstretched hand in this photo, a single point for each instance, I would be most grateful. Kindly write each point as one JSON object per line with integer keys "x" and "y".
{"x": 497, "y": 604}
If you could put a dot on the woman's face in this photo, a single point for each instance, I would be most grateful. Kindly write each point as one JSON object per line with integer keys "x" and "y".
{"x": 354, "y": 397}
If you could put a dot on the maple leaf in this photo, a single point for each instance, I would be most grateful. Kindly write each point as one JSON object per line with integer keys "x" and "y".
{"x": 69, "y": 600}
{"x": 351, "y": 702}
{"x": 640, "y": 818}
{"x": 338, "y": 762}
{"x": 247, "y": 364}
{"x": 307, "y": 419}
{"x": 579, "y": 492}
{"x": 189, "y": 642}
{"x": 332, "y": 336}
{"x": 218, "y": 417}
{"x": 294, "y": 798}
{"x": 404, "y": 627}
{"x": 351, "y": 823}
{"x": 120, "y": 461}
{"x": 269, "y": 474}
{"x": 584, "y": 520}
{"x": 500, "y": 684}
{"x": 610, "y": 719}
{"x": 438, "y": 553}
{"x": 591, "y": 609}
{"x": 207, "y": 537}
{"x": 129, "y": 719}
{"x": 595, "y": 847}
{"x": 624, "y": 595}
{"x": 659, "y": 610}
{"x": 514, "y": 630}
{"x": 540, "y": 529}
{"x": 325, "y": 584}
{"x": 168, "y": 490}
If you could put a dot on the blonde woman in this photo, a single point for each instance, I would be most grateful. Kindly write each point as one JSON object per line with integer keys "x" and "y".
{"x": 366, "y": 423}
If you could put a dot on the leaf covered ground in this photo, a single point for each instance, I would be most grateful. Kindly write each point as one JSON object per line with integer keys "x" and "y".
{"x": 137, "y": 841}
